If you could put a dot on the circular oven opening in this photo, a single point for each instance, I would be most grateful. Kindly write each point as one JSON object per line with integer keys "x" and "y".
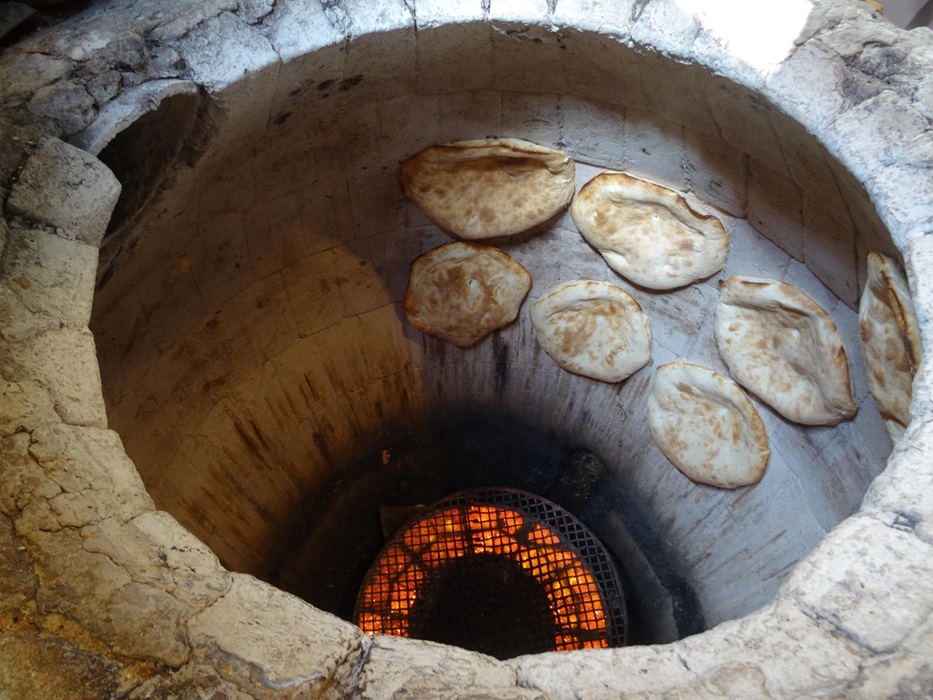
{"x": 252, "y": 340}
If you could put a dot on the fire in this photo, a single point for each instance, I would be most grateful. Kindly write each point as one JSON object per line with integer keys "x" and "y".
{"x": 576, "y": 605}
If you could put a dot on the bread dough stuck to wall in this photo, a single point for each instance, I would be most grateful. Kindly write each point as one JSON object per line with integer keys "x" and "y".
{"x": 491, "y": 188}
{"x": 648, "y": 233}
{"x": 782, "y": 345}
{"x": 890, "y": 341}
{"x": 460, "y": 292}
{"x": 706, "y": 426}
{"x": 593, "y": 329}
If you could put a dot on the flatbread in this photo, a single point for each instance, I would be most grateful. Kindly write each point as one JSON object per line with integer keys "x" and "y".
{"x": 485, "y": 189}
{"x": 706, "y": 426}
{"x": 781, "y": 345}
{"x": 460, "y": 292}
{"x": 593, "y": 329}
{"x": 648, "y": 233}
{"x": 890, "y": 341}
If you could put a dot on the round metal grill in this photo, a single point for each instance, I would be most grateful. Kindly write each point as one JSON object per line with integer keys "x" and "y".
{"x": 499, "y": 571}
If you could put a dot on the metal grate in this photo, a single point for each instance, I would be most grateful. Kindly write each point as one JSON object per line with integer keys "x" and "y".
{"x": 499, "y": 571}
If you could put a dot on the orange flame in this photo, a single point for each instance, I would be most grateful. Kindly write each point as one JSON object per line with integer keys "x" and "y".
{"x": 575, "y": 602}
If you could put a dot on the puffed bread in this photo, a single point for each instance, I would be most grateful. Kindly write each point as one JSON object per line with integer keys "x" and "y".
{"x": 706, "y": 426}
{"x": 647, "y": 233}
{"x": 890, "y": 341}
{"x": 781, "y": 345}
{"x": 593, "y": 329}
{"x": 460, "y": 292}
{"x": 489, "y": 188}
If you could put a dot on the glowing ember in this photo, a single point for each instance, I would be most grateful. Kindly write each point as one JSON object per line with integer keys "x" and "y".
{"x": 524, "y": 549}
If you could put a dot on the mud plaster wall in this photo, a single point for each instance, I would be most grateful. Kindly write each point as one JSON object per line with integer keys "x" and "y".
{"x": 84, "y": 530}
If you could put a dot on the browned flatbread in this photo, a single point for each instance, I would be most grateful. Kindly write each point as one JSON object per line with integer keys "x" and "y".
{"x": 781, "y": 345}
{"x": 460, "y": 292}
{"x": 890, "y": 341}
{"x": 491, "y": 188}
{"x": 648, "y": 233}
{"x": 593, "y": 329}
{"x": 706, "y": 426}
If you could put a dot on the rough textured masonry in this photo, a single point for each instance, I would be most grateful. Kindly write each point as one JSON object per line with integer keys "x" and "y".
{"x": 808, "y": 121}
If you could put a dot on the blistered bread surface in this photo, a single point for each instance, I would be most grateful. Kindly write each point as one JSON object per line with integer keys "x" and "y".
{"x": 461, "y": 292}
{"x": 490, "y": 188}
{"x": 593, "y": 329}
{"x": 781, "y": 345}
{"x": 647, "y": 233}
{"x": 706, "y": 426}
{"x": 890, "y": 340}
